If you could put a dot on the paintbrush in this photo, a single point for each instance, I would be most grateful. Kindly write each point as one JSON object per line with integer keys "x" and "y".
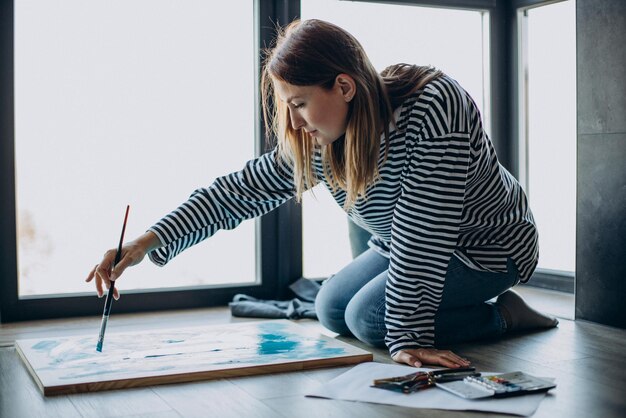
{"x": 109, "y": 299}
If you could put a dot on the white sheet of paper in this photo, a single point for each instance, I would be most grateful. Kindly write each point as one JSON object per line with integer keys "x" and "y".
{"x": 354, "y": 385}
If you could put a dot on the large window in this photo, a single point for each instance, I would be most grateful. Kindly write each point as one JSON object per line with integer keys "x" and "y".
{"x": 455, "y": 41}
{"x": 117, "y": 103}
{"x": 108, "y": 103}
{"x": 548, "y": 128}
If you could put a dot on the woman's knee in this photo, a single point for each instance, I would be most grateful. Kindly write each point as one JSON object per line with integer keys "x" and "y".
{"x": 366, "y": 322}
{"x": 330, "y": 308}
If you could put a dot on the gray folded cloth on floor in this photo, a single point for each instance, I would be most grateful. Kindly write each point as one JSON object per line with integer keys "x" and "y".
{"x": 302, "y": 306}
{"x": 306, "y": 289}
{"x": 243, "y": 305}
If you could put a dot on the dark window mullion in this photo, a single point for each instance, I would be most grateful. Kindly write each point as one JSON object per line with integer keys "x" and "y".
{"x": 8, "y": 251}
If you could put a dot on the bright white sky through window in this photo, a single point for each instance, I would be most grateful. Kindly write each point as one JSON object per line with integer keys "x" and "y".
{"x": 128, "y": 102}
{"x": 552, "y": 131}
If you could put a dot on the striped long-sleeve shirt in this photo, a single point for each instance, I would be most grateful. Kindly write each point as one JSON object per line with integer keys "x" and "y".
{"x": 441, "y": 191}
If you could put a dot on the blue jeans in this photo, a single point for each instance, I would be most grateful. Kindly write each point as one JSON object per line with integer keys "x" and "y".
{"x": 352, "y": 302}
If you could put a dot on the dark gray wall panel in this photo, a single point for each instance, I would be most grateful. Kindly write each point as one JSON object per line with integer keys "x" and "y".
{"x": 601, "y": 229}
{"x": 601, "y": 38}
{"x": 601, "y": 161}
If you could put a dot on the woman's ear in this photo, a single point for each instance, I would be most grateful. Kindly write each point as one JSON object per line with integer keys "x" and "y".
{"x": 346, "y": 85}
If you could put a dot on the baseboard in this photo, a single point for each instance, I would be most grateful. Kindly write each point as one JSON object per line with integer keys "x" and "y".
{"x": 553, "y": 280}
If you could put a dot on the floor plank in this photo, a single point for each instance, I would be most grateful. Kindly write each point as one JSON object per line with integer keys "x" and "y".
{"x": 120, "y": 403}
{"x": 217, "y": 398}
{"x": 586, "y": 359}
{"x": 277, "y": 385}
{"x": 20, "y": 396}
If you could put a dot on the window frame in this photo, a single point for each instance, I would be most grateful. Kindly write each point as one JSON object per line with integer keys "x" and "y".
{"x": 563, "y": 281}
{"x": 505, "y": 60}
{"x": 505, "y": 85}
{"x": 274, "y": 237}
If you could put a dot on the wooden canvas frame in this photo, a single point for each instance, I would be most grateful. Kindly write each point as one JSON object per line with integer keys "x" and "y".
{"x": 132, "y": 359}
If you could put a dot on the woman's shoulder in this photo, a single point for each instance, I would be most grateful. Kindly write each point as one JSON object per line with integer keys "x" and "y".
{"x": 441, "y": 106}
{"x": 440, "y": 87}
{"x": 443, "y": 88}
{"x": 441, "y": 95}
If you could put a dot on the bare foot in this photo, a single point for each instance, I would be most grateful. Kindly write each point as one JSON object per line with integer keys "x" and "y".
{"x": 520, "y": 316}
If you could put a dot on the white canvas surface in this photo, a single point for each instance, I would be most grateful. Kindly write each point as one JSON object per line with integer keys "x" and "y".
{"x": 150, "y": 356}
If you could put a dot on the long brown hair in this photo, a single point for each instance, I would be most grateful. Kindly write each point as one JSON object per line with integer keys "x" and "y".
{"x": 313, "y": 53}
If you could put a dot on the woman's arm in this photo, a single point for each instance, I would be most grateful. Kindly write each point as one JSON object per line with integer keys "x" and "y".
{"x": 427, "y": 221}
{"x": 424, "y": 235}
{"x": 261, "y": 186}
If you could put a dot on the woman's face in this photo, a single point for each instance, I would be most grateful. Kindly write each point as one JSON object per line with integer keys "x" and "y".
{"x": 321, "y": 113}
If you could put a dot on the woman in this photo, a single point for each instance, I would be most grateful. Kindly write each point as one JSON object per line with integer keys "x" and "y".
{"x": 405, "y": 154}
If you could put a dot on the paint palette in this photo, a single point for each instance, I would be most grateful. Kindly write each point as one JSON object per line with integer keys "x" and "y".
{"x": 72, "y": 364}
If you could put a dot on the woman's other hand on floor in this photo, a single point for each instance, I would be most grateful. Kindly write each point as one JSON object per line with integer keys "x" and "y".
{"x": 417, "y": 357}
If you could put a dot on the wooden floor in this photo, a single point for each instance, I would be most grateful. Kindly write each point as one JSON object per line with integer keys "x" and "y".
{"x": 587, "y": 360}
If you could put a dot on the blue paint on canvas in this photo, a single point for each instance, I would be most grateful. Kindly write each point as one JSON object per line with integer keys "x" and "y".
{"x": 45, "y": 345}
